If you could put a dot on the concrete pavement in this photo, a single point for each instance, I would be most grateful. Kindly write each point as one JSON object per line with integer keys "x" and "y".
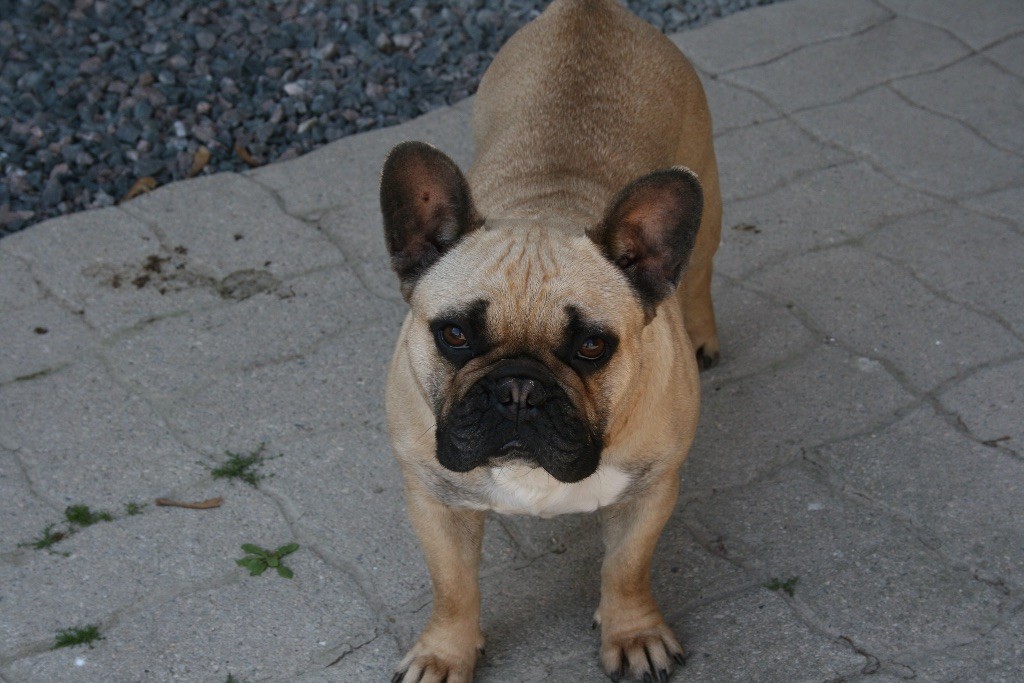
{"x": 853, "y": 508}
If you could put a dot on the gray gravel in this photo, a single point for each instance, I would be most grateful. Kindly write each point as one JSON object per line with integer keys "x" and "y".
{"x": 95, "y": 94}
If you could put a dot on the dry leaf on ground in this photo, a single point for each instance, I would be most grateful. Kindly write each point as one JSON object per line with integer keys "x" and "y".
{"x": 201, "y": 505}
{"x": 141, "y": 186}
{"x": 242, "y": 152}
{"x": 199, "y": 161}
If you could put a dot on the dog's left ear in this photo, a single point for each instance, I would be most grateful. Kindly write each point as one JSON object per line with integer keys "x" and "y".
{"x": 649, "y": 230}
{"x": 427, "y": 208}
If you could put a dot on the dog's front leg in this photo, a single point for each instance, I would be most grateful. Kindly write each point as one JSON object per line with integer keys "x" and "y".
{"x": 451, "y": 537}
{"x": 635, "y": 640}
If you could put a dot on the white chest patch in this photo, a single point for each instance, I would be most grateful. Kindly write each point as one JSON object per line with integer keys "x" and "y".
{"x": 518, "y": 489}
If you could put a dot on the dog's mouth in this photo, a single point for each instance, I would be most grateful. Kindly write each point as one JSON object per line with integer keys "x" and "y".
{"x": 513, "y": 452}
{"x": 511, "y": 447}
{"x": 475, "y": 435}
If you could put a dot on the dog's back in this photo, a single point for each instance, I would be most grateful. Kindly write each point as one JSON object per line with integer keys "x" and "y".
{"x": 578, "y": 103}
{"x": 590, "y": 92}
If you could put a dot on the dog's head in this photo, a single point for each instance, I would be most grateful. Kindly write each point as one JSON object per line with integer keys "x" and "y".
{"x": 525, "y": 338}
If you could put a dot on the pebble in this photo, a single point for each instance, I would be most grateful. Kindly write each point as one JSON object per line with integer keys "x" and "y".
{"x": 52, "y": 193}
{"x": 90, "y": 66}
{"x": 383, "y": 43}
{"x": 124, "y": 88}
{"x": 206, "y": 40}
{"x": 327, "y": 51}
{"x": 403, "y": 41}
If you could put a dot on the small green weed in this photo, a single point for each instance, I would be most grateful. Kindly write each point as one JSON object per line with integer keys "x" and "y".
{"x": 48, "y": 538}
{"x": 82, "y": 516}
{"x": 132, "y": 509}
{"x": 70, "y": 637}
{"x": 77, "y": 517}
{"x": 259, "y": 559}
{"x": 788, "y": 587}
{"x": 244, "y": 467}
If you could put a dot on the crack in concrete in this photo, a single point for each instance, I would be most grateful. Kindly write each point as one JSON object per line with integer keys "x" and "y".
{"x": 831, "y": 144}
{"x": 703, "y": 537}
{"x": 889, "y": 366}
{"x": 872, "y": 664}
{"x": 104, "y": 344}
{"x": 790, "y": 359}
{"x": 949, "y": 117}
{"x": 363, "y": 582}
{"x": 932, "y": 400}
{"x": 803, "y": 612}
{"x": 678, "y": 614}
{"x": 727, "y": 130}
{"x": 858, "y": 91}
{"x": 984, "y": 54}
{"x": 33, "y": 489}
{"x": 155, "y": 405}
{"x": 313, "y": 220}
{"x": 69, "y": 306}
{"x": 756, "y": 94}
{"x": 793, "y": 178}
{"x": 857, "y": 240}
{"x": 169, "y": 246}
{"x": 282, "y": 205}
{"x": 942, "y": 295}
{"x": 814, "y": 43}
{"x": 710, "y": 542}
{"x": 116, "y": 616}
{"x": 920, "y": 532}
{"x": 528, "y": 552}
{"x": 857, "y": 156}
{"x": 944, "y": 648}
{"x": 414, "y": 605}
{"x": 953, "y": 418}
{"x": 353, "y": 648}
{"x": 1003, "y": 220}
{"x": 358, "y": 271}
{"x": 146, "y": 220}
{"x": 810, "y": 324}
{"x": 944, "y": 29}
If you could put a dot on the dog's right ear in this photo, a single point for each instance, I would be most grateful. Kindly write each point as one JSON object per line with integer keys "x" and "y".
{"x": 427, "y": 208}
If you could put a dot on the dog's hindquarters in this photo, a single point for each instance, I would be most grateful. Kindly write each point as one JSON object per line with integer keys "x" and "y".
{"x": 694, "y": 293}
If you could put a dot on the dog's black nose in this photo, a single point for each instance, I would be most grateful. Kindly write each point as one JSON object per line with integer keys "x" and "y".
{"x": 517, "y": 397}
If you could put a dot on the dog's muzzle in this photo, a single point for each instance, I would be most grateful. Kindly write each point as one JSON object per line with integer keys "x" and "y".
{"x": 518, "y": 411}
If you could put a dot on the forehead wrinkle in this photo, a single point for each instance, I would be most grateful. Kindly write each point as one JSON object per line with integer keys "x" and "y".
{"x": 528, "y": 311}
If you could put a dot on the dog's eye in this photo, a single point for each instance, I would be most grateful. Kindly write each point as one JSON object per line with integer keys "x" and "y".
{"x": 592, "y": 349}
{"x": 454, "y": 336}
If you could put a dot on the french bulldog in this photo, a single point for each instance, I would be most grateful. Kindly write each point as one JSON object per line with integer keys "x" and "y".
{"x": 560, "y": 307}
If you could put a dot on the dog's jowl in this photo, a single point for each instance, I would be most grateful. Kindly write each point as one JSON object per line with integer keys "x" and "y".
{"x": 560, "y": 307}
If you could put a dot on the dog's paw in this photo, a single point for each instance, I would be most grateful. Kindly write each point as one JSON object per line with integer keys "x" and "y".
{"x": 646, "y": 655}
{"x": 431, "y": 660}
